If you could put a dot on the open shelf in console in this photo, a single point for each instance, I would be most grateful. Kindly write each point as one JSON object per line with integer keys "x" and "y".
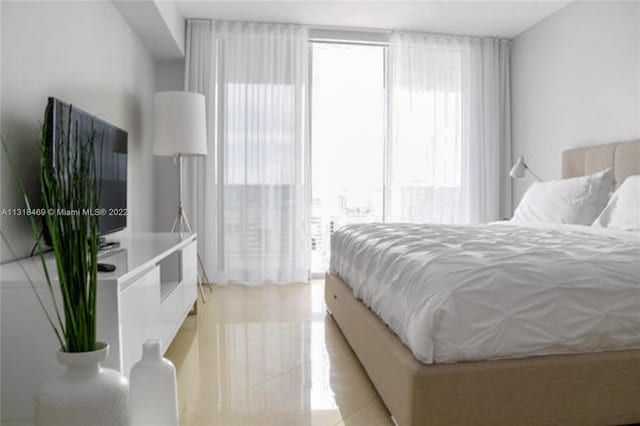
{"x": 170, "y": 274}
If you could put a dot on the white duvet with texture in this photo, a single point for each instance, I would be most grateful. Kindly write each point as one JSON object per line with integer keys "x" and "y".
{"x": 461, "y": 293}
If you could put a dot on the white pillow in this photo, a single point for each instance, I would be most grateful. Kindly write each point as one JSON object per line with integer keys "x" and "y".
{"x": 623, "y": 209}
{"x": 572, "y": 201}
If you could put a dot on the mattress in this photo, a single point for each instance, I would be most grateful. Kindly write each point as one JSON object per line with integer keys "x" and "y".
{"x": 467, "y": 293}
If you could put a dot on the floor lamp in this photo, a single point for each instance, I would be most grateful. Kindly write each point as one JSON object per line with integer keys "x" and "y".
{"x": 180, "y": 130}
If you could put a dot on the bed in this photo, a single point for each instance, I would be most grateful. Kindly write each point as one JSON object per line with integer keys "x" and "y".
{"x": 427, "y": 379}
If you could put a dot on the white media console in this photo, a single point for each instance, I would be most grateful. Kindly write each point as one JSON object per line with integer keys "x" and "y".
{"x": 148, "y": 296}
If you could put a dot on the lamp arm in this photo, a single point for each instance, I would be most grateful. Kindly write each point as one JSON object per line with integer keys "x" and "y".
{"x": 532, "y": 173}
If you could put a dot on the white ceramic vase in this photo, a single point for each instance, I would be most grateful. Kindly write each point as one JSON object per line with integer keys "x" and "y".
{"x": 85, "y": 393}
{"x": 154, "y": 396}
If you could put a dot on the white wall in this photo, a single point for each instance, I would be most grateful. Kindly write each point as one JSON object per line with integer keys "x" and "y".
{"x": 575, "y": 82}
{"x": 86, "y": 54}
{"x": 159, "y": 24}
{"x": 175, "y": 22}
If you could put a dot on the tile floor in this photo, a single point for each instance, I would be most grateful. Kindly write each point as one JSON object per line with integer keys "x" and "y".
{"x": 270, "y": 356}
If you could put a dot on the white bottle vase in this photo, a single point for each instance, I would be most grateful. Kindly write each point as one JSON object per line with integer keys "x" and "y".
{"x": 85, "y": 393}
{"x": 154, "y": 395}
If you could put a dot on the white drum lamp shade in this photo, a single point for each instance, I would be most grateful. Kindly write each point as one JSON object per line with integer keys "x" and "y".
{"x": 179, "y": 124}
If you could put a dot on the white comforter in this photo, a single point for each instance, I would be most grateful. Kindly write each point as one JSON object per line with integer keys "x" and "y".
{"x": 459, "y": 293}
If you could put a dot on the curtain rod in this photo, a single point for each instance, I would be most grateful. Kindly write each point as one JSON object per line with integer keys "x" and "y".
{"x": 370, "y": 31}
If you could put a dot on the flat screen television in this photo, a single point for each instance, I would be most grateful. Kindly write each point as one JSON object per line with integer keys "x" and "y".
{"x": 110, "y": 148}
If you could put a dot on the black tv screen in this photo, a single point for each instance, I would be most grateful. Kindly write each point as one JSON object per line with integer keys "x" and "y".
{"x": 110, "y": 149}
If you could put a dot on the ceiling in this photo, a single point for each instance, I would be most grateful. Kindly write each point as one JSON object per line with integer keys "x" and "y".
{"x": 480, "y": 18}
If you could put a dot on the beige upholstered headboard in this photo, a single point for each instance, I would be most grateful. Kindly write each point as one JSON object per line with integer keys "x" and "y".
{"x": 624, "y": 157}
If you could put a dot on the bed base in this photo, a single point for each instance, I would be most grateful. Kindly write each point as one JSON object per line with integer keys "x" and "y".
{"x": 583, "y": 389}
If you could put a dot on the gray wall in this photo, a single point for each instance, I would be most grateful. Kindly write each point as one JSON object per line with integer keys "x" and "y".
{"x": 575, "y": 82}
{"x": 86, "y": 54}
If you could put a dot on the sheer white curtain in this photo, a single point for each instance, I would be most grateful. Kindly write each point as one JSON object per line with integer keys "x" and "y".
{"x": 252, "y": 193}
{"x": 449, "y": 130}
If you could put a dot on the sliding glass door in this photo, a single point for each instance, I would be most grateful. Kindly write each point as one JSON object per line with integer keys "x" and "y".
{"x": 347, "y": 138}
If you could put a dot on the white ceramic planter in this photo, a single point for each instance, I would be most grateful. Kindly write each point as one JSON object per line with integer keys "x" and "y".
{"x": 84, "y": 394}
{"x": 154, "y": 396}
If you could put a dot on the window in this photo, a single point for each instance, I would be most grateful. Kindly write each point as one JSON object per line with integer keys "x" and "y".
{"x": 357, "y": 175}
{"x": 347, "y": 140}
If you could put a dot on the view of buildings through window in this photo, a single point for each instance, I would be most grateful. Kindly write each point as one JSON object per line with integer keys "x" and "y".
{"x": 347, "y": 137}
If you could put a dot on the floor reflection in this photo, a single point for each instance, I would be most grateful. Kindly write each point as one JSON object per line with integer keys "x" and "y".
{"x": 270, "y": 356}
